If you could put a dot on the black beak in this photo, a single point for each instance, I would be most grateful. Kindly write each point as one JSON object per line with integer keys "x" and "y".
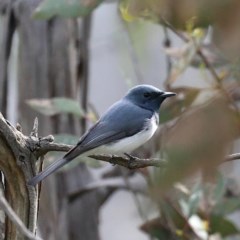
{"x": 168, "y": 94}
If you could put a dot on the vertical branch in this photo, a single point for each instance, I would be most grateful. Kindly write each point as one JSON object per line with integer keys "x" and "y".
{"x": 15, "y": 219}
{"x": 132, "y": 53}
{"x": 83, "y": 65}
{"x": 2, "y": 213}
{"x": 5, "y": 50}
{"x": 167, "y": 44}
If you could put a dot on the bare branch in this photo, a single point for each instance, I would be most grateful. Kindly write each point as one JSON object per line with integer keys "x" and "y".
{"x": 131, "y": 163}
{"x": 167, "y": 44}
{"x": 232, "y": 157}
{"x": 46, "y": 146}
{"x": 34, "y": 132}
{"x": 15, "y": 219}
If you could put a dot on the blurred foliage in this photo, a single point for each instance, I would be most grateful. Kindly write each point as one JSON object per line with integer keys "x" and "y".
{"x": 179, "y": 12}
{"x": 64, "y": 8}
{"x": 202, "y": 122}
{"x": 185, "y": 215}
{"x": 53, "y": 106}
{"x": 222, "y": 15}
{"x": 191, "y": 144}
{"x": 213, "y": 55}
{"x": 175, "y": 107}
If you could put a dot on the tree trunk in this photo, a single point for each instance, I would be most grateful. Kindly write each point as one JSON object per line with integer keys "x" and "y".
{"x": 52, "y": 62}
{"x": 16, "y": 165}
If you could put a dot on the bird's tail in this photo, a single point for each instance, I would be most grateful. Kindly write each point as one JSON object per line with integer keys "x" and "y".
{"x": 46, "y": 172}
{"x": 74, "y": 152}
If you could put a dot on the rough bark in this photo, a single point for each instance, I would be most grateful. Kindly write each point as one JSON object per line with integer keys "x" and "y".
{"x": 16, "y": 164}
{"x": 2, "y": 215}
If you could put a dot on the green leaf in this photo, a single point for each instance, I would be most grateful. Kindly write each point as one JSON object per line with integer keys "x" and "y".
{"x": 221, "y": 225}
{"x": 171, "y": 211}
{"x": 65, "y": 8}
{"x": 194, "y": 199}
{"x": 53, "y": 106}
{"x": 162, "y": 233}
{"x": 157, "y": 229}
{"x": 227, "y": 206}
{"x": 220, "y": 189}
{"x": 189, "y": 203}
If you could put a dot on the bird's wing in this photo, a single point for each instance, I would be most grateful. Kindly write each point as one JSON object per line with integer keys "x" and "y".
{"x": 122, "y": 120}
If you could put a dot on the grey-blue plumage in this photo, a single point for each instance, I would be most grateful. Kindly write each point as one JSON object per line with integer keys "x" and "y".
{"x": 126, "y": 125}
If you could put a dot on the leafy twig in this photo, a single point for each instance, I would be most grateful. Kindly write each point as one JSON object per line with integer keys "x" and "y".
{"x": 205, "y": 61}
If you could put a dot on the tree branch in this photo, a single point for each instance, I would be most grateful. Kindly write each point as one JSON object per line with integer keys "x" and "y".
{"x": 46, "y": 145}
{"x": 15, "y": 219}
{"x": 130, "y": 163}
{"x": 232, "y": 157}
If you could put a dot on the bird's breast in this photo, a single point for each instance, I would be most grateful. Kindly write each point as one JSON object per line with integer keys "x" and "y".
{"x": 129, "y": 144}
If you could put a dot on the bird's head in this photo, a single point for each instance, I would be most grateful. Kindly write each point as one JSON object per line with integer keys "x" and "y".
{"x": 147, "y": 96}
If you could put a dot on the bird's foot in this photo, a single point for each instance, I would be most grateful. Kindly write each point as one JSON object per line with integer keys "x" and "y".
{"x": 131, "y": 160}
{"x": 112, "y": 160}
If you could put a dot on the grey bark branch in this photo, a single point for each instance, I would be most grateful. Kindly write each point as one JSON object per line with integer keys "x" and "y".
{"x": 132, "y": 162}
{"x": 45, "y": 145}
{"x": 15, "y": 219}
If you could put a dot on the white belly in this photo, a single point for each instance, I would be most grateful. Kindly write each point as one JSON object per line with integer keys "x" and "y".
{"x": 131, "y": 143}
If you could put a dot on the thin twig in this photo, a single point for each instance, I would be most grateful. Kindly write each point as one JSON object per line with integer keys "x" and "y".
{"x": 34, "y": 132}
{"x": 15, "y": 219}
{"x": 132, "y": 53}
{"x": 232, "y": 157}
{"x": 167, "y": 44}
{"x": 179, "y": 34}
{"x": 205, "y": 61}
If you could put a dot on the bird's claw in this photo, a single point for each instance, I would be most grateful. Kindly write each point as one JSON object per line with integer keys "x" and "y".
{"x": 131, "y": 160}
{"x": 112, "y": 161}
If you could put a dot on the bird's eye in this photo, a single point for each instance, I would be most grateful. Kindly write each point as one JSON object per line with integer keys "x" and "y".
{"x": 146, "y": 94}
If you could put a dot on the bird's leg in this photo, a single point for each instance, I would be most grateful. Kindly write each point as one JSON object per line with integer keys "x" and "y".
{"x": 112, "y": 160}
{"x": 130, "y": 156}
{"x": 131, "y": 160}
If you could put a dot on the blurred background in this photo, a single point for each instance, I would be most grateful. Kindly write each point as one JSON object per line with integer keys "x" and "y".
{"x": 66, "y": 62}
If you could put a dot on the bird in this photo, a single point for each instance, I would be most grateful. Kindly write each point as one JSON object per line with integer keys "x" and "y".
{"x": 126, "y": 125}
